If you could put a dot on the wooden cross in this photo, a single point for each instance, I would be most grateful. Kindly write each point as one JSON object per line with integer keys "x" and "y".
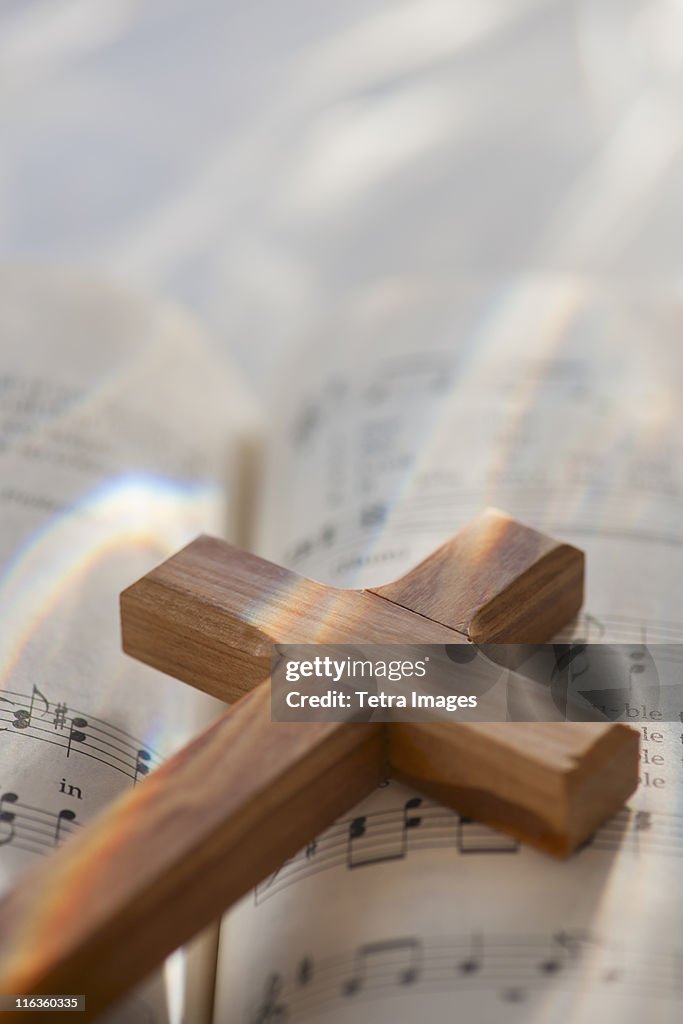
{"x": 221, "y": 815}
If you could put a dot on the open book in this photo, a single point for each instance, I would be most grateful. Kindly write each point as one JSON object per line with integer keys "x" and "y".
{"x": 122, "y": 435}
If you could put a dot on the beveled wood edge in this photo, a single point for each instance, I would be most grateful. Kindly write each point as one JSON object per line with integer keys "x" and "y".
{"x": 424, "y": 755}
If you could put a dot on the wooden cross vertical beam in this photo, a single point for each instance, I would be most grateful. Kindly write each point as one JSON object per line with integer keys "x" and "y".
{"x": 166, "y": 859}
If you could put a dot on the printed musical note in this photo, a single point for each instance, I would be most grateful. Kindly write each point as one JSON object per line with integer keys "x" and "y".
{"x": 36, "y": 719}
{"x": 400, "y": 957}
{"x": 33, "y": 829}
{"x": 373, "y": 515}
{"x": 7, "y": 818}
{"x": 513, "y": 995}
{"x": 306, "y": 424}
{"x": 328, "y": 533}
{"x": 141, "y": 764}
{"x": 516, "y": 966}
{"x": 642, "y": 821}
{"x": 270, "y": 1008}
{"x": 638, "y": 658}
{"x": 356, "y": 831}
{"x": 62, "y": 818}
{"x": 380, "y": 836}
{"x": 595, "y": 629}
{"x": 411, "y": 821}
{"x": 76, "y": 735}
{"x": 24, "y": 716}
{"x": 563, "y": 947}
{"x": 386, "y": 845}
{"x": 304, "y": 971}
{"x": 473, "y": 961}
{"x": 389, "y": 841}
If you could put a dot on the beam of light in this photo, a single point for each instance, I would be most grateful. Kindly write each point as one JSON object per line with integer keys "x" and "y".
{"x": 528, "y": 305}
{"x": 127, "y": 513}
{"x": 358, "y": 144}
{"x": 611, "y": 198}
{"x": 43, "y": 38}
{"x": 402, "y": 38}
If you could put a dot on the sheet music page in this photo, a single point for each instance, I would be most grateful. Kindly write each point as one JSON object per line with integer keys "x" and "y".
{"x": 561, "y": 404}
{"x": 116, "y": 429}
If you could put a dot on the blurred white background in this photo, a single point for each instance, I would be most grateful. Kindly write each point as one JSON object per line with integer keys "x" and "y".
{"x": 262, "y": 161}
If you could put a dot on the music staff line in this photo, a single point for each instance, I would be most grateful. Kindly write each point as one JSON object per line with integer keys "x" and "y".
{"x": 388, "y": 835}
{"x": 37, "y": 718}
{"x": 34, "y": 829}
{"x": 512, "y": 967}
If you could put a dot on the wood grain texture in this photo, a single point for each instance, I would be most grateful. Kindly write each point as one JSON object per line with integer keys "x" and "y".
{"x": 548, "y": 784}
{"x": 167, "y": 858}
{"x": 210, "y": 614}
{"x": 228, "y": 809}
{"x": 495, "y": 581}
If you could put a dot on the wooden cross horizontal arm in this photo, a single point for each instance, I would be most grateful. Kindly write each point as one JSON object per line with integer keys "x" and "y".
{"x": 222, "y": 814}
{"x": 211, "y": 614}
